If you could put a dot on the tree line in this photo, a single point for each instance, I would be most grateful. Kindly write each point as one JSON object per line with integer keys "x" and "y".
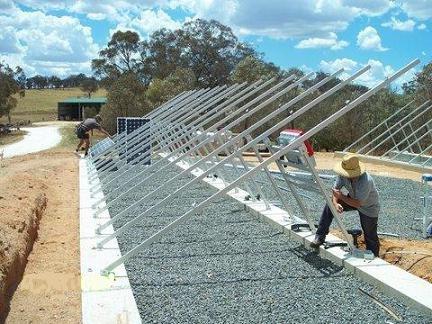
{"x": 142, "y": 74}
{"x": 54, "y": 82}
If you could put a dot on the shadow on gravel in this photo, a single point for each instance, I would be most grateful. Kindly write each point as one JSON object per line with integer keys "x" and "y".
{"x": 326, "y": 267}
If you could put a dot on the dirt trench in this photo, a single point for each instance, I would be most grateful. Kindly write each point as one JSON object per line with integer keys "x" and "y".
{"x": 13, "y": 269}
{"x": 39, "y": 233}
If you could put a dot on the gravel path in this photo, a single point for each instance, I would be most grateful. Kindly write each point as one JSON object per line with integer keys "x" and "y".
{"x": 37, "y": 139}
{"x": 225, "y": 266}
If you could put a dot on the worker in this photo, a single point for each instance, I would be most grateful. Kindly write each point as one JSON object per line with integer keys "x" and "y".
{"x": 82, "y": 131}
{"x": 362, "y": 196}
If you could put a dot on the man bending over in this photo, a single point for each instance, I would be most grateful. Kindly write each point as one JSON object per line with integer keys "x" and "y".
{"x": 83, "y": 129}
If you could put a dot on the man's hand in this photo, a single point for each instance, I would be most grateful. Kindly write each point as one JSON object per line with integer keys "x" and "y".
{"x": 339, "y": 208}
{"x": 337, "y": 194}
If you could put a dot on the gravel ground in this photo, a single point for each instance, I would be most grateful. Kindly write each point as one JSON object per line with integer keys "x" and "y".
{"x": 225, "y": 266}
{"x": 399, "y": 198}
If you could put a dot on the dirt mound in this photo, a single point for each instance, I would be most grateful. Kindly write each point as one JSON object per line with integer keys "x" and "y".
{"x": 413, "y": 256}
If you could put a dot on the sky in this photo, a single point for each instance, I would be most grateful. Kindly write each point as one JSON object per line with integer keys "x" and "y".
{"x": 60, "y": 38}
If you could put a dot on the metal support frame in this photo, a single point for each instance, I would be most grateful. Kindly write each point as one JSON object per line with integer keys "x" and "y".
{"x": 236, "y": 139}
{"x": 407, "y": 137}
{"x": 211, "y": 112}
{"x": 410, "y": 143}
{"x": 167, "y": 122}
{"x": 159, "y": 113}
{"x": 198, "y": 141}
{"x": 412, "y": 116}
{"x": 192, "y": 114}
{"x": 377, "y": 127}
{"x": 252, "y": 144}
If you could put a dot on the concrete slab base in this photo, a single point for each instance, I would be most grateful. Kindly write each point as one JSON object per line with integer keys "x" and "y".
{"x": 388, "y": 278}
{"x": 105, "y": 300}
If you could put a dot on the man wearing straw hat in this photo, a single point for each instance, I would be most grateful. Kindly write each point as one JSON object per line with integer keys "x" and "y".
{"x": 362, "y": 196}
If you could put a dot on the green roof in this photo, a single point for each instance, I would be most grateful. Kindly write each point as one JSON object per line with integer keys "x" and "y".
{"x": 84, "y": 100}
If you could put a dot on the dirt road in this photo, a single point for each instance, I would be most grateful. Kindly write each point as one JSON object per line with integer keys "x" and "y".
{"x": 36, "y": 139}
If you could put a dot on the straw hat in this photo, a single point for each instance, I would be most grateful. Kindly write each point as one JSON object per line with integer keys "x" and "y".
{"x": 349, "y": 167}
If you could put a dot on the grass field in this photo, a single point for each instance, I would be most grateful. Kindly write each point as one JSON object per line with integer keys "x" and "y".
{"x": 41, "y": 105}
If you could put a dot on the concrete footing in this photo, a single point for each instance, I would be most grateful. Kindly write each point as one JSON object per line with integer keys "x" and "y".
{"x": 105, "y": 300}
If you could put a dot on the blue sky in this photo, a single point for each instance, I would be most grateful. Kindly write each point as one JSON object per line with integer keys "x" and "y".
{"x": 61, "y": 37}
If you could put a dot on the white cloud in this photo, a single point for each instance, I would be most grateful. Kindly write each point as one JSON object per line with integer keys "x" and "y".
{"x": 420, "y": 9}
{"x": 6, "y": 5}
{"x": 370, "y": 7}
{"x": 369, "y": 39}
{"x": 148, "y": 22}
{"x": 278, "y": 19}
{"x": 421, "y": 27}
{"x": 45, "y": 42}
{"x": 377, "y": 73}
{"x": 9, "y": 42}
{"x": 332, "y": 66}
{"x": 396, "y": 24}
{"x": 115, "y": 10}
{"x": 285, "y": 19}
{"x": 331, "y": 42}
{"x": 96, "y": 16}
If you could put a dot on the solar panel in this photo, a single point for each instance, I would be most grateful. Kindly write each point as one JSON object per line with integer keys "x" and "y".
{"x": 101, "y": 146}
{"x": 128, "y": 125}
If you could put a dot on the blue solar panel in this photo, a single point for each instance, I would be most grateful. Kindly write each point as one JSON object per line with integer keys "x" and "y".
{"x": 101, "y": 146}
{"x": 133, "y": 153}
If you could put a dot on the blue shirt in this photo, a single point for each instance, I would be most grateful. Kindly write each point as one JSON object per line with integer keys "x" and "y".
{"x": 363, "y": 189}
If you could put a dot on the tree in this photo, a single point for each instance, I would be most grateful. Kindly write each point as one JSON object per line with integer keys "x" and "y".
{"x": 160, "y": 56}
{"x": 424, "y": 82}
{"x": 89, "y": 86}
{"x": 208, "y": 48}
{"x": 55, "y": 82}
{"x": 74, "y": 80}
{"x": 119, "y": 57}
{"x": 251, "y": 69}
{"x": 211, "y": 50}
{"x": 21, "y": 78}
{"x": 8, "y": 87}
{"x": 159, "y": 91}
{"x": 126, "y": 98}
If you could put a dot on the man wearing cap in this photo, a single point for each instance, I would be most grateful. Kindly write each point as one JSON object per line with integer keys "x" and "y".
{"x": 82, "y": 131}
{"x": 362, "y": 196}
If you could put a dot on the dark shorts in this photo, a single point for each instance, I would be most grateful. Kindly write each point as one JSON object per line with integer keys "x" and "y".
{"x": 81, "y": 134}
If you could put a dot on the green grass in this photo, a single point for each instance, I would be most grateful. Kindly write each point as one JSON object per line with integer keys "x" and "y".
{"x": 69, "y": 139}
{"x": 12, "y": 137}
{"x": 41, "y": 105}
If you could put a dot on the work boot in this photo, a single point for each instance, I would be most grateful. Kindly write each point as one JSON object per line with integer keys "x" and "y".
{"x": 317, "y": 242}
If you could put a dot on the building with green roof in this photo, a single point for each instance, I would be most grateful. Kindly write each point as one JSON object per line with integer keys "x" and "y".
{"x": 79, "y": 108}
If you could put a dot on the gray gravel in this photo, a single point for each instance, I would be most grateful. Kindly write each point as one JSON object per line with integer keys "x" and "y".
{"x": 399, "y": 199}
{"x": 225, "y": 266}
